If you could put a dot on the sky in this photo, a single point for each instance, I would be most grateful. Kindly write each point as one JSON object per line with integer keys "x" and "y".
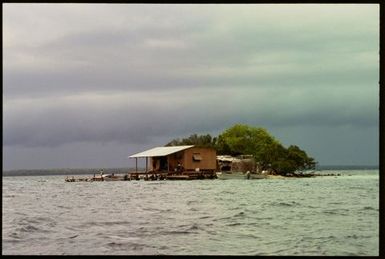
{"x": 87, "y": 85}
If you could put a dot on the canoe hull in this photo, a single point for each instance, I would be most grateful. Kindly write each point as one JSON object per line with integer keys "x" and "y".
{"x": 239, "y": 175}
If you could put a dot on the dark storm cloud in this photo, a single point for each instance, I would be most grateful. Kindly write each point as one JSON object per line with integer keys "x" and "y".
{"x": 136, "y": 118}
{"x": 145, "y": 74}
{"x": 123, "y": 118}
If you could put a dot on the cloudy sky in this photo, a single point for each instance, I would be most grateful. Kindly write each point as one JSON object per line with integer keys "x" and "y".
{"x": 87, "y": 85}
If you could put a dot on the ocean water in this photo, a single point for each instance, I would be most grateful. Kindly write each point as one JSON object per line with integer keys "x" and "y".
{"x": 328, "y": 215}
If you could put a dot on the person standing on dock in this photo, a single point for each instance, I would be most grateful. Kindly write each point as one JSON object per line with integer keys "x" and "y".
{"x": 179, "y": 167}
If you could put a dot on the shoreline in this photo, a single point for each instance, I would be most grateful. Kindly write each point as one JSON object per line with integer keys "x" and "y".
{"x": 273, "y": 176}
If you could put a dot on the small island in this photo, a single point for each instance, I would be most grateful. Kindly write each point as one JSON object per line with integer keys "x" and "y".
{"x": 239, "y": 152}
{"x": 269, "y": 155}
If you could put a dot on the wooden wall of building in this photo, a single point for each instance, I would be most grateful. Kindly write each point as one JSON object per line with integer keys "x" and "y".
{"x": 205, "y": 158}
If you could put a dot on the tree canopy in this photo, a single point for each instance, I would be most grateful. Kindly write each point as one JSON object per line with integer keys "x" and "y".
{"x": 268, "y": 152}
{"x": 194, "y": 139}
{"x": 243, "y": 140}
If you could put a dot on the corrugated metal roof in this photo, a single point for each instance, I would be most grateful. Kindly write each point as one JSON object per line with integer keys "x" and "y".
{"x": 160, "y": 151}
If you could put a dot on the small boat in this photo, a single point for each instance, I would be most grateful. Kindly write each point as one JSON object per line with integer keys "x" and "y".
{"x": 257, "y": 176}
{"x": 111, "y": 177}
{"x": 225, "y": 175}
{"x": 97, "y": 178}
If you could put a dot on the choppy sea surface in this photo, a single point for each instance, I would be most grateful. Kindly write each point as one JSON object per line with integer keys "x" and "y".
{"x": 327, "y": 215}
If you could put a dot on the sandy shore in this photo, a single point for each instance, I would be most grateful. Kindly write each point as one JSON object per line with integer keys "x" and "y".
{"x": 270, "y": 176}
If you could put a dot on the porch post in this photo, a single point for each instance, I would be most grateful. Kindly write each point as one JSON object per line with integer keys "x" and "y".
{"x": 168, "y": 164}
{"x": 136, "y": 164}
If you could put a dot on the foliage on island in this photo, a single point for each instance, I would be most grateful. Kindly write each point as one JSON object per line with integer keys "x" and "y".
{"x": 267, "y": 151}
{"x": 194, "y": 139}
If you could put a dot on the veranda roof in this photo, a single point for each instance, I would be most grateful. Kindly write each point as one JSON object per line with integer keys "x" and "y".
{"x": 160, "y": 151}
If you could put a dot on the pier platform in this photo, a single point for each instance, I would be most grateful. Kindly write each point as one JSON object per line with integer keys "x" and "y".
{"x": 146, "y": 176}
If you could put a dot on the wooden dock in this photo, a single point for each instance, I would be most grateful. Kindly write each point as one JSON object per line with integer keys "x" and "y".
{"x": 149, "y": 176}
{"x": 179, "y": 177}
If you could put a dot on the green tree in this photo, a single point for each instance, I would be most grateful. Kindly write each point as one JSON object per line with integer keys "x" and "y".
{"x": 268, "y": 152}
{"x": 195, "y": 139}
{"x": 299, "y": 157}
{"x": 242, "y": 139}
{"x": 270, "y": 155}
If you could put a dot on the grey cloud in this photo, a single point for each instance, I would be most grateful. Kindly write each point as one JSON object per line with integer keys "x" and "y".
{"x": 79, "y": 82}
{"x": 137, "y": 118}
{"x": 145, "y": 74}
{"x": 118, "y": 58}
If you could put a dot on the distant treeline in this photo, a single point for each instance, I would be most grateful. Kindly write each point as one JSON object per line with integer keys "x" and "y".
{"x": 346, "y": 167}
{"x": 67, "y": 171}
